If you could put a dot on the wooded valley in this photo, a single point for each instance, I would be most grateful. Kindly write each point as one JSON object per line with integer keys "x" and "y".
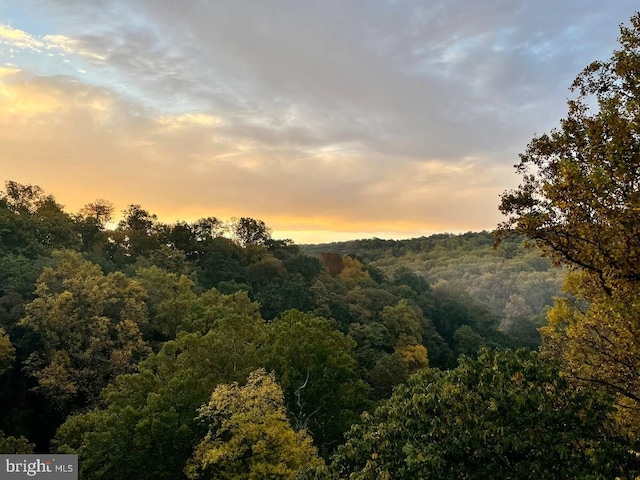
{"x": 211, "y": 350}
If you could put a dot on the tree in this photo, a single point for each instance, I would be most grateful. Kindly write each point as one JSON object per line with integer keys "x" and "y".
{"x": 169, "y": 298}
{"x": 99, "y": 211}
{"x": 22, "y": 198}
{"x": 222, "y": 260}
{"x": 597, "y": 343}
{"x": 249, "y": 231}
{"x": 32, "y": 223}
{"x": 404, "y": 324}
{"x": 389, "y": 371}
{"x": 192, "y": 238}
{"x": 249, "y": 435}
{"x": 332, "y": 261}
{"x": 91, "y": 223}
{"x": 89, "y": 325}
{"x": 7, "y": 352}
{"x": 315, "y": 367}
{"x": 137, "y": 235}
{"x": 507, "y": 415}
{"x": 353, "y": 273}
{"x": 308, "y": 268}
{"x": 13, "y": 445}
{"x": 580, "y": 195}
{"x": 579, "y": 200}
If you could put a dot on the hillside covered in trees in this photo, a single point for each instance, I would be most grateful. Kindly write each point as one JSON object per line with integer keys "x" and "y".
{"x": 83, "y": 305}
{"x": 510, "y": 281}
{"x": 114, "y": 339}
{"x": 211, "y": 350}
{"x": 173, "y": 350}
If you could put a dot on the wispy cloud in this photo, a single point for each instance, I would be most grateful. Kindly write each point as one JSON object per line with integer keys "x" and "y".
{"x": 13, "y": 37}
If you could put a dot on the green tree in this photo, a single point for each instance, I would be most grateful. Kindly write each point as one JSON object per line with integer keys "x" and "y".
{"x": 99, "y": 211}
{"x": 169, "y": 297}
{"x": 137, "y": 235}
{"x": 579, "y": 200}
{"x": 404, "y": 324}
{"x": 595, "y": 335}
{"x": 89, "y": 325}
{"x": 221, "y": 260}
{"x": 191, "y": 238}
{"x": 389, "y": 371}
{"x": 314, "y": 364}
{"x": 11, "y": 445}
{"x": 249, "y": 231}
{"x": 580, "y": 194}
{"x": 249, "y": 435}
{"x": 32, "y": 223}
{"x": 308, "y": 268}
{"x": 91, "y": 223}
{"x": 22, "y": 198}
{"x": 507, "y": 415}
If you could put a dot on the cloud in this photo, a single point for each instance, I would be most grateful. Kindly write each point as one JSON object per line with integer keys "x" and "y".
{"x": 14, "y": 37}
{"x": 20, "y": 39}
{"x": 69, "y": 46}
{"x": 370, "y": 116}
{"x": 67, "y": 133}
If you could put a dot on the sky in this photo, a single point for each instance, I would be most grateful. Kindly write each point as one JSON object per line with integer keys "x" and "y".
{"x": 327, "y": 119}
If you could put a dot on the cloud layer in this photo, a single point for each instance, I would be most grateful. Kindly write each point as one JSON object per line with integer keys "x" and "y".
{"x": 340, "y": 118}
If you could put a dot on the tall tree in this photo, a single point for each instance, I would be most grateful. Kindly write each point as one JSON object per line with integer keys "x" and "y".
{"x": 89, "y": 325}
{"x": 22, "y": 198}
{"x": 580, "y": 194}
{"x": 596, "y": 337}
{"x": 32, "y": 223}
{"x": 137, "y": 235}
{"x": 249, "y": 231}
{"x": 99, "y": 211}
{"x": 580, "y": 200}
{"x": 314, "y": 364}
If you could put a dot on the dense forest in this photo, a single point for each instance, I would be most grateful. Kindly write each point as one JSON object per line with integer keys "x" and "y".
{"x": 83, "y": 304}
{"x": 211, "y": 350}
{"x": 511, "y": 281}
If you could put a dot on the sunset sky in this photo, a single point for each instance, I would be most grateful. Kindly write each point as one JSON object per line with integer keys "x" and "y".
{"x": 329, "y": 120}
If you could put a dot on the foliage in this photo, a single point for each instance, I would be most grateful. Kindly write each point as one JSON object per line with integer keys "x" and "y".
{"x": 89, "y": 325}
{"x": 12, "y": 445}
{"x": 249, "y": 231}
{"x": 99, "y": 211}
{"x": 32, "y": 223}
{"x": 597, "y": 343}
{"x": 119, "y": 336}
{"x": 168, "y": 297}
{"x": 511, "y": 283}
{"x": 581, "y": 183}
{"x": 7, "y": 352}
{"x": 506, "y": 415}
{"x": 145, "y": 427}
{"x": 249, "y": 436}
{"x": 579, "y": 200}
{"x": 315, "y": 366}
